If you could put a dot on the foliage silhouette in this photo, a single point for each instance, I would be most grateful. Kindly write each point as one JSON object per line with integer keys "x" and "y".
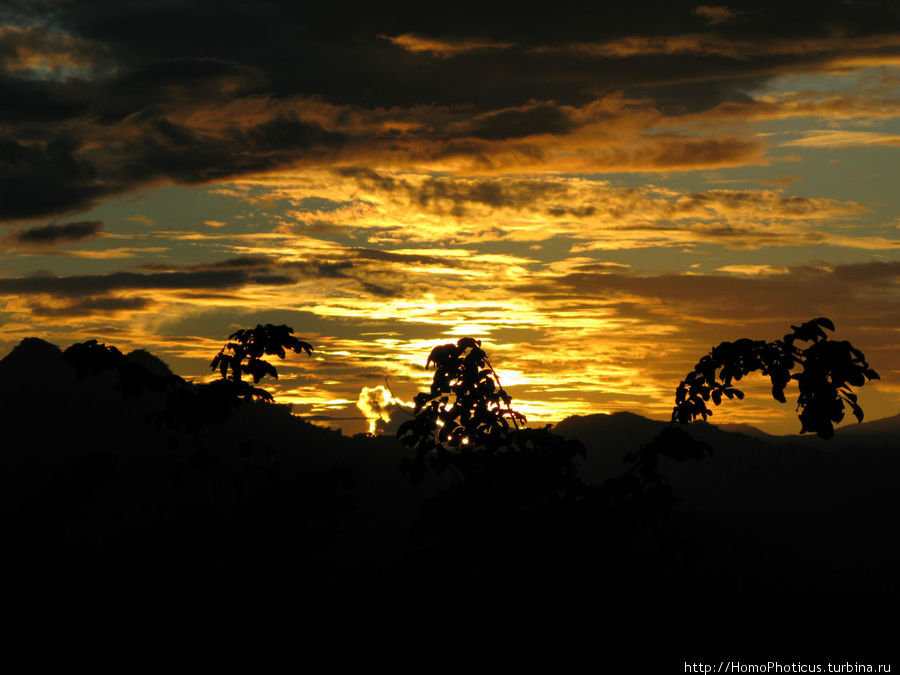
{"x": 252, "y": 344}
{"x": 516, "y": 484}
{"x": 824, "y": 371}
{"x": 92, "y": 358}
{"x": 643, "y": 490}
{"x": 465, "y": 422}
{"x": 191, "y": 408}
{"x": 511, "y": 482}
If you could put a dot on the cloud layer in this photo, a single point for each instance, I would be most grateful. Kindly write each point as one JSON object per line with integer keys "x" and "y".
{"x": 599, "y": 191}
{"x": 103, "y": 100}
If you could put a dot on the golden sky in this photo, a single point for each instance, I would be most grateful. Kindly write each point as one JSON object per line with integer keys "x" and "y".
{"x": 600, "y": 194}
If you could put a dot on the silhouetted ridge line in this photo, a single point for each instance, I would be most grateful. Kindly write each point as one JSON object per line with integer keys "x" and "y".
{"x": 149, "y": 362}
{"x": 262, "y": 542}
{"x": 32, "y": 348}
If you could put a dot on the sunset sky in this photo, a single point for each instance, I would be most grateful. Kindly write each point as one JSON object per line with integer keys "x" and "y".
{"x": 599, "y": 191}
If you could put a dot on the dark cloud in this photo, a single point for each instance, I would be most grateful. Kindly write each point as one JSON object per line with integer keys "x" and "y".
{"x": 88, "y": 306}
{"x": 96, "y": 284}
{"x": 33, "y": 104}
{"x": 701, "y": 152}
{"x": 261, "y": 265}
{"x": 329, "y": 269}
{"x": 343, "y": 56}
{"x": 370, "y": 270}
{"x": 539, "y": 119}
{"x": 454, "y": 195}
{"x": 372, "y": 179}
{"x": 776, "y": 203}
{"x": 862, "y": 289}
{"x": 574, "y": 211}
{"x": 241, "y": 262}
{"x": 873, "y": 273}
{"x": 381, "y": 291}
{"x": 51, "y": 235}
{"x": 101, "y": 98}
{"x": 45, "y": 177}
{"x": 176, "y": 81}
{"x": 164, "y": 149}
{"x": 515, "y": 193}
{"x": 68, "y": 174}
{"x": 403, "y": 258}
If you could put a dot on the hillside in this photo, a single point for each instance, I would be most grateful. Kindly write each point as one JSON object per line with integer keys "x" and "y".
{"x": 754, "y": 472}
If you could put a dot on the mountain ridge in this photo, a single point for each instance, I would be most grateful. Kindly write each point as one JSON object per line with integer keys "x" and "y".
{"x": 37, "y": 356}
{"x": 623, "y": 419}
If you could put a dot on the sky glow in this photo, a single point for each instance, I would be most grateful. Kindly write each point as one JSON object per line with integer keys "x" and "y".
{"x": 599, "y": 197}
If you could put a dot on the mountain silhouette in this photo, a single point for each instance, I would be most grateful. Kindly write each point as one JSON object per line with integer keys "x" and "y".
{"x": 790, "y": 504}
{"x": 875, "y": 433}
{"x": 31, "y": 363}
{"x": 149, "y": 362}
{"x": 753, "y": 472}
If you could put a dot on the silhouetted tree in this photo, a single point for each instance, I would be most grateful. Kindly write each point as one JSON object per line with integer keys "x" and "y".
{"x": 244, "y": 356}
{"x": 643, "y": 490}
{"x": 823, "y": 369}
{"x": 465, "y": 421}
{"x": 92, "y": 358}
{"x": 192, "y": 408}
{"x": 516, "y": 488}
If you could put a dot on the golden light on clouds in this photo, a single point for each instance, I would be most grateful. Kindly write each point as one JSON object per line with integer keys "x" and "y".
{"x": 838, "y": 138}
{"x": 442, "y": 48}
{"x": 40, "y": 52}
{"x": 598, "y": 206}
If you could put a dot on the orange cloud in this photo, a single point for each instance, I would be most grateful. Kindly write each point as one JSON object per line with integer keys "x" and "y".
{"x": 38, "y": 50}
{"x": 715, "y": 14}
{"x": 832, "y": 52}
{"x": 843, "y": 138}
{"x": 415, "y": 207}
{"x": 442, "y": 48}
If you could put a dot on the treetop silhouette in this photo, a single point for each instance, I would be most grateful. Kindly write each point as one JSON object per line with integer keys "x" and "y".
{"x": 465, "y": 419}
{"x": 138, "y": 372}
{"x": 825, "y": 371}
{"x": 251, "y": 344}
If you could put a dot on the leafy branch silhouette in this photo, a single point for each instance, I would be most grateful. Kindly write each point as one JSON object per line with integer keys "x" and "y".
{"x": 465, "y": 422}
{"x": 214, "y": 401}
{"x": 92, "y": 358}
{"x": 243, "y": 356}
{"x": 825, "y": 371}
{"x": 512, "y": 479}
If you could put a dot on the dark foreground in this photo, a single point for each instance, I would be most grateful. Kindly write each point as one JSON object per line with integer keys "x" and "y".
{"x": 260, "y": 543}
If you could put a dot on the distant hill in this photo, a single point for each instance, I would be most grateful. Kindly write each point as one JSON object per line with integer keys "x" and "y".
{"x": 753, "y": 472}
{"x": 874, "y": 433}
{"x": 151, "y": 363}
{"x": 749, "y": 430}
